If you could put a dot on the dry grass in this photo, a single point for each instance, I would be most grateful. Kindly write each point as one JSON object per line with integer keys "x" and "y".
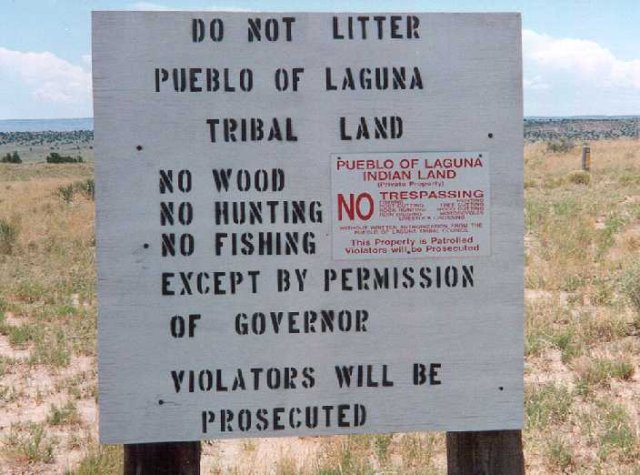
{"x": 47, "y": 319}
{"x": 583, "y": 315}
{"x": 582, "y": 323}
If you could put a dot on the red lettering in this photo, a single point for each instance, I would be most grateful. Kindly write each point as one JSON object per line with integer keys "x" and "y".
{"x": 355, "y": 206}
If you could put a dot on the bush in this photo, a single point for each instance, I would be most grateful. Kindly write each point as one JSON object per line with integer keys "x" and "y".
{"x": 66, "y": 193}
{"x": 55, "y": 157}
{"x": 86, "y": 188}
{"x": 562, "y": 145}
{"x": 11, "y": 158}
{"x": 579, "y": 177}
{"x": 630, "y": 286}
{"x": 8, "y": 237}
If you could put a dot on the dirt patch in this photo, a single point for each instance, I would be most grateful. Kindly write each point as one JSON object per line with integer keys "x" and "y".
{"x": 260, "y": 456}
{"x": 30, "y": 396}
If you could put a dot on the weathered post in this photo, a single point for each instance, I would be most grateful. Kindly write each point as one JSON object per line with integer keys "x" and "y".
{"x": 485, "y": 453}
{"x": 586, "y": 158}
{"x": 172, "y": 458}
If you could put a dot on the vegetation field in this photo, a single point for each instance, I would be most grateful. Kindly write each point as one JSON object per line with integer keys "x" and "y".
{"x": 35, "y": 146}
{"x": 582, "y": 331}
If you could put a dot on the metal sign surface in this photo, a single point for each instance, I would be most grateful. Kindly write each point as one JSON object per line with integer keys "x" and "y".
{"x": 308, "y": 223}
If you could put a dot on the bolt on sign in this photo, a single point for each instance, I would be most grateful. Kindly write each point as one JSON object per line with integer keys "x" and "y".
{"x": 308, "y": 223}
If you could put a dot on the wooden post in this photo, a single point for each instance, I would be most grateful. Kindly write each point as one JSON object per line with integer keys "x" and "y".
{"x": 586, "y": 158}
{"x": 485, "y": 453}
{"x": 171, "y": 458}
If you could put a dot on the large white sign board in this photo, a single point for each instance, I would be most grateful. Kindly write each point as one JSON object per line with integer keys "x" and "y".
{"x": 308, "y": 223}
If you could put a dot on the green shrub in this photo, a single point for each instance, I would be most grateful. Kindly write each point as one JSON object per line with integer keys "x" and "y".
{"x": 103, "y": 459}
{"x": 558, "y": 451}
{"x": 67, "y": 414}
{"x": 619, "y": 435}
{"x": 11, "y": 158}
{"x": 601, "y": 372}
{"x": 562, "y": 145}
{"x": 55, "y": 157}
{"x": 87, "y": 188}
{"x": 630, "y": 285}
{"x": 32, "y": 444}
{"x": 579, "y": 177}
{"x": 548, "y": 404}
{"x": 66, "y": 193}
{"x": 8, "y": 237}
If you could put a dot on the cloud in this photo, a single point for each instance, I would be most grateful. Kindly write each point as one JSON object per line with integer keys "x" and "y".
{"x": 562, "y": 76}
{"x": 583, "y": 62}
{"x": 536, "y": 83}
{"x": 569, "y": 76}
{"x": 49, "y": 78}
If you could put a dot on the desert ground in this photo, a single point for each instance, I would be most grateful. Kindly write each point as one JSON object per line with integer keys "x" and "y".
{"x": 582, "y": 351}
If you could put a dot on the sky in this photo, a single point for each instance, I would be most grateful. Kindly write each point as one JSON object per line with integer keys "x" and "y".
{"x": 580, "y": 57}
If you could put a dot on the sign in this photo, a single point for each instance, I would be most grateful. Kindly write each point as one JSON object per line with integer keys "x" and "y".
{"x": 307, "y": 223}
{"x": 410, "y": 205}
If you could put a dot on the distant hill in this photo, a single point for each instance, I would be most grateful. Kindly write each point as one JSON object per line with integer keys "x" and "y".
{"x": 80, "y": 131}
{"x": 580, "y": 128}
{"x": 46, "y": 138}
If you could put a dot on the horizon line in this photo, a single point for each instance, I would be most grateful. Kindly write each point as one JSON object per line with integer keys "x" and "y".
{"x": 524, "y": 117}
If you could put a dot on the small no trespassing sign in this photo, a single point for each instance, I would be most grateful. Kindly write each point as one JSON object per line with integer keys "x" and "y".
{"x": 307, "y": 223}
{"x": 428, "y": 204}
